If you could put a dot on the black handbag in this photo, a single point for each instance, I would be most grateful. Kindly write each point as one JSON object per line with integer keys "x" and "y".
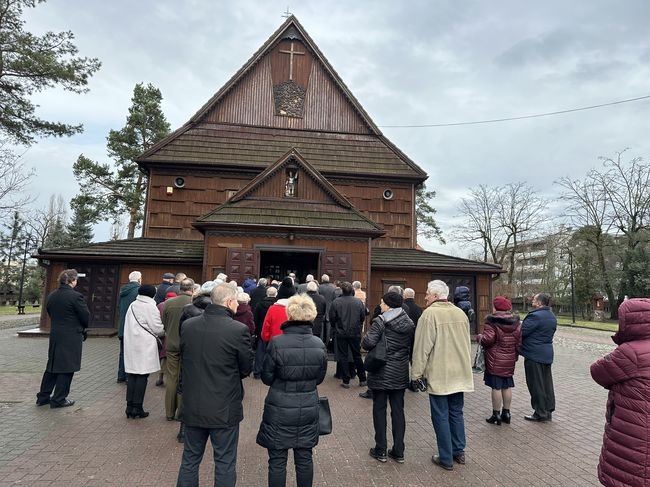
{"x": 324, "y": 416}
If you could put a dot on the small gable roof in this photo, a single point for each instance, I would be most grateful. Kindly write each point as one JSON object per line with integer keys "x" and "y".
{"x": 383, "y": 258}
{"x": 248, "y": 208}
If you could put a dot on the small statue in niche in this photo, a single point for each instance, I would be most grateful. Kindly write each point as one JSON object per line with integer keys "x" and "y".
{"x": 290, "y": 185}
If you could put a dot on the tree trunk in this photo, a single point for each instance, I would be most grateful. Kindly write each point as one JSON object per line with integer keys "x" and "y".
{"x": 613, "y": 309}
{"x": 133, "y": 211}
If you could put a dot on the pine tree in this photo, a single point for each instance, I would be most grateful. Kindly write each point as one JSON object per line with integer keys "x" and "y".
{"x": 424, "y": 214}
{"x": 29, "y": 64}
{"x": 79, "y": 231}
{"x": 12, "y": 247}
{"x": 119, "y": 189}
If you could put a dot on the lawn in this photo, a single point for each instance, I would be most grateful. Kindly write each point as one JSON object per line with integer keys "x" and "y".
{"x": 13, "y": 310}
{"x": 609, "y": 325}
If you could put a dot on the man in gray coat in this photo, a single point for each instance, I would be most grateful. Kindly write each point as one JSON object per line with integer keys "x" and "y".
{"x": 70, "y": 316}
{"x": 216, "y": 355}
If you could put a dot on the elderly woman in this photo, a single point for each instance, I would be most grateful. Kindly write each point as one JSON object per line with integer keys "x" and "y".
{"x": 142, "y": 326}
{"x": 244, "y": 312}
{"x": 295, "y": 363}
{"x": 390, "y": 381}
{"x": 625, "y": 456}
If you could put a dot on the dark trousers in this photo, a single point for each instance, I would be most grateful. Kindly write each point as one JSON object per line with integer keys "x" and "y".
{"x": 539, "y": 380}
{"x": 136, "y": 386}
{"x": 260, "y": 351}
{"x": 353, "y": 344}
{"x": 224, "y": 446}
{"x": 380, "y": 398}
{"x": 449, "y": 425}
{"x": 302, "y": 458}
{"x": 121, "y": 374}
{"x": 55, "y": 385}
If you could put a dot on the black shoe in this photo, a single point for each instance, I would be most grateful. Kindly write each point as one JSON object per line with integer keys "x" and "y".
{"x": 180, "y": 437}
{"x": 378, "y": 455}
{"x": 535, "y": 417}
{"x": 121, "y": 381}
{"x": 460, "y": 458}
{"x": 505, "y": 417}
{"x": 366, "y": 395}
{"x": 64, "y": 404}
{"x": 139, "y": 413}
{"x": 42, "y": 402}
{"x": 397, "y": 458}
{"x": 436, "y": 460}
{"x": 344, "y": 385}
{"x": 494, "y": 419}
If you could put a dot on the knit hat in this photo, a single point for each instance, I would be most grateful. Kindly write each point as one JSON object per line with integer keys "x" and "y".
{"x": 147, "y": 290}
{"x": 392, "y": 300}
{"x": 170, "y": 294}
{"x": 501, "y": 303}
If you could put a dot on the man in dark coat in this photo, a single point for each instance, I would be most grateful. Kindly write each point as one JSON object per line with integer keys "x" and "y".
{"x": 161, "y": 290}
{"x": 410, "y": 306}
{"x": 347, "y": 315}
{"x": 128, "y": 293}
{"x": 321, "y": 308}
{"x": 70, "y": 316}
{"x": 259, "y": 293}
{"x": 537, "y": 332}
{"x": 216, "y": 355}
{"x": 259, "y": 313}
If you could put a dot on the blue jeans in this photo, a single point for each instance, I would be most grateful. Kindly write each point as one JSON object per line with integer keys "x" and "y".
{"x": 224, "y": 446}
{"x": 449, "y": 425}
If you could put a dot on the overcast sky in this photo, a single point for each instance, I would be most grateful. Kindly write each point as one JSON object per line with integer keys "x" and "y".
{"x": 408, "y": 63}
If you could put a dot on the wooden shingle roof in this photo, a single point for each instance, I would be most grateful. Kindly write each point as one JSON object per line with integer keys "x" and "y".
{"x": 383, "y": 258}
{"x": 138, "y": 249}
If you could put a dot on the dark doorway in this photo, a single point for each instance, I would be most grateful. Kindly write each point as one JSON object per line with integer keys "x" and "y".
{"x": 278, "y": 264}
{"x": 470, "y": 281}
{"x": 99, "y": 287}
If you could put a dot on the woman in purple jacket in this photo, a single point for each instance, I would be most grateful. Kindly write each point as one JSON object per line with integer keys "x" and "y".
{"x": 501, "y": 340}
{"x": 625, "y": 456}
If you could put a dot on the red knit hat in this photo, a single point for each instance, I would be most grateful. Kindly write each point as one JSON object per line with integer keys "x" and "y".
{"x": 501, "y": 303}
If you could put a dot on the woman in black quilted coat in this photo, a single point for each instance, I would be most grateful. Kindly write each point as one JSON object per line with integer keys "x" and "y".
{"x": 389, "y": 383}
{"x": 294, "y": 364}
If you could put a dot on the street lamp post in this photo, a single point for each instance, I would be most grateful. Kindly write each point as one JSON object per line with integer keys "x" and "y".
{"x": 573, "y": 291}
{"x": 21, "y": 306}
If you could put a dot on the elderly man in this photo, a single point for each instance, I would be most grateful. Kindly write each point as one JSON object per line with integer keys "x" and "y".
{"x": 537, "y": 332}
{"x": 302, "y": 288}
{"x": 70, "y": 316}
{"x": 217, "y": 355}
{"x": 161, "y": 290}
{"x": 176, "y": 287}
{"x": 442, "y": 356}
{"x": 412, "y": 308}
{"x": 358, "y": 292}
{"x": 128, "y": 293}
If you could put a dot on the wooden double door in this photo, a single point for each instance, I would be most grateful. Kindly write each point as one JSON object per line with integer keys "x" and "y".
{"x": 99, "y": 286}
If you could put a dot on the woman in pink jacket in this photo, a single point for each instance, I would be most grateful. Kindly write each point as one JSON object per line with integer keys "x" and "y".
{"x": 625, "y": 456}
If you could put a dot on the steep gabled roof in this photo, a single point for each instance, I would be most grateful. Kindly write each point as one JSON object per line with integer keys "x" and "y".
{"x": 247, "y": 208}
{"x": 194, "y": 142}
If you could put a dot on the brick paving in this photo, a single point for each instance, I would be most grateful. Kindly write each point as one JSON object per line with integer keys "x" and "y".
{"x": 93, "y": 444}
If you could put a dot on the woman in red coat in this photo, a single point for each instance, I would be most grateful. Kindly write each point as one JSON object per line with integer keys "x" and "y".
{"x": 625, "y": 456}
{"x": 501, "y": 340}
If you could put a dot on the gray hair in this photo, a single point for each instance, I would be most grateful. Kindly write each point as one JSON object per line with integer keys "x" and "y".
{"x": 222, "y": 293}
{"x": 187, "y": 284}
{"x": 309, "y": 278}
{"x": 262, "y": 281}
{"x": 409, "y": 293}
{"x": 243, "y": 298}
{"x": 135, "y": 276}
{"x": 325, "y": 278}
{"x": 356, "y": 285}
{"x": 271, "y": 292}
{"x": 301, "y": 308}
{"x": 396, "y": 289}
{"x": 312, "y": 286}
{"x": 439, "y": 288}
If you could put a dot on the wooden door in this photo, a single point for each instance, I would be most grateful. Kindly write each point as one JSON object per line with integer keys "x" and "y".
{"x": 241, "y": 263}
{"x": 99, "y": 287}
{"x": 337, "y": 265}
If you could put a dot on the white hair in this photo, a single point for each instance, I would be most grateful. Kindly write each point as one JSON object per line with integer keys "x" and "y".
{"x": 438, "y": 288}
{"x": 356, "y": 285}
{"x": 396, "y": 289}
{"x": 262, "y": 281}
{"x": 242, "y": 297}
{"x": 309, "y": 278}
{"x": 409, "y": 293}
{"x": 135, "y": 276}
{"x": 222, "y": 293}
{"x": 271, "y": 292}
{"x": 312, "y": 286}
{"x": 325, "y": 278}
{"x": 221, "y": 276}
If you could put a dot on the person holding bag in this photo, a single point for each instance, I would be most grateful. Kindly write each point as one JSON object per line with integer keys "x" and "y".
{"x": 294, "y": 364}
{"x": 142, "y": 327}
{"x": 389, "y": 381}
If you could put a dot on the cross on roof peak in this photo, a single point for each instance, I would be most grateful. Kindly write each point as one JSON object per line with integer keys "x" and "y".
{"x": 287, "y": 14}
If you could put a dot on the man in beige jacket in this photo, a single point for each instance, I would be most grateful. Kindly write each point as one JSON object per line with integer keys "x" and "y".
{"x": 442, "y": 356}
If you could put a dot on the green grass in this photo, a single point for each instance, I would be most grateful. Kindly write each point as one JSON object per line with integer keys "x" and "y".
{"x": 609, "y": 325}
{"x": 13, "y": 310}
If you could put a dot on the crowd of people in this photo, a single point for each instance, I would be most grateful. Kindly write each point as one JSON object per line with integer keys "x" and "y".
{"x": 203, "y": 340}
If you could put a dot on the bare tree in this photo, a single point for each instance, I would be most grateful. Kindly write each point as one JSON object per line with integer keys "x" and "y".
{"x": 43, "y": 221}
{"x": 14, "y": 177}
{"x": 479, "y": 222}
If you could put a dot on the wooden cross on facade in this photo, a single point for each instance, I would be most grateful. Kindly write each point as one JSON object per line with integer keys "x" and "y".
{"x": 291, "y": 53}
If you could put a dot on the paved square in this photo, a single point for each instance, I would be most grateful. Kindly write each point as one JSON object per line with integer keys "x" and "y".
{"x": 93, "y": 444}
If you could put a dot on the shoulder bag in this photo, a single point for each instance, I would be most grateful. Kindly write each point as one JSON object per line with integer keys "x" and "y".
{"x": 324, "y": 416}
{"x": 158, "y": 340}
{"x": 377, "y": 357}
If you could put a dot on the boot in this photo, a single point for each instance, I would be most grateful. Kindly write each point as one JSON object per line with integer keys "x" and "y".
{"x": 138, "y": 412}
{"x": 181, "y": 433}
{"x": 505, "y": 416}
{"x": 494, "y": 419}
{"x": 129, "y": 410}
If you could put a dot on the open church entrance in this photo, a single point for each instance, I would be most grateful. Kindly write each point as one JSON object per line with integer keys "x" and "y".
{"x": 279, "y": 263}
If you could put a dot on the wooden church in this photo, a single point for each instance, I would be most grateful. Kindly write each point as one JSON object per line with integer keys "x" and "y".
{"x": 281, "y": 170}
